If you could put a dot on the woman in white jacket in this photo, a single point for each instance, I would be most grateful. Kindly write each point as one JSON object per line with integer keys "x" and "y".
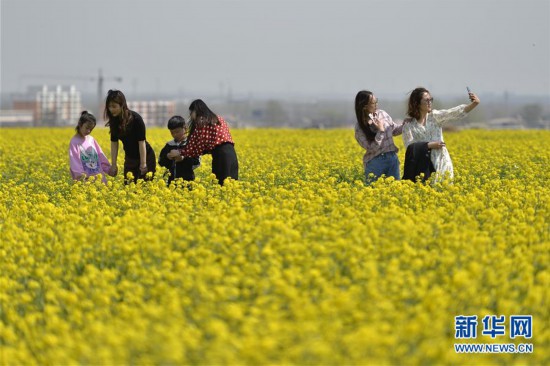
{"x": 425, "y": 125}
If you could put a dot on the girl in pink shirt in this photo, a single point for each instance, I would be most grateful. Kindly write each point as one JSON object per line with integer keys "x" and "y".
{"x": 85, "y": 155}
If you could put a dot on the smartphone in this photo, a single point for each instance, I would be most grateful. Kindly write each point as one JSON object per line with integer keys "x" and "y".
{"x": 468, "y": 89}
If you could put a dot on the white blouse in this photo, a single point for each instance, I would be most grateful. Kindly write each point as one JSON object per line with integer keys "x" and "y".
{"x": 432, "y": 131}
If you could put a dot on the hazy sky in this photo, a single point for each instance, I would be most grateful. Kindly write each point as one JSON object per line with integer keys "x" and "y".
{"x": 280, "y": 47}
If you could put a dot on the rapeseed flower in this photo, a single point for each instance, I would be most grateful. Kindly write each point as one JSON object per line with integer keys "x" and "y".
{"x": 298, "y": 262}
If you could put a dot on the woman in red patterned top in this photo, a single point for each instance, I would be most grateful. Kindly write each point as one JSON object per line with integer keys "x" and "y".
{"x": 210, "y": 135}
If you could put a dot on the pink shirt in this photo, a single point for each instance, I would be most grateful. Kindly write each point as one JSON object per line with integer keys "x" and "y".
{"x": 86, "y": 157}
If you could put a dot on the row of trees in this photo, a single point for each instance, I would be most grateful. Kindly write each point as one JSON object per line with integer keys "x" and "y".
{"x": 323, "y": 114}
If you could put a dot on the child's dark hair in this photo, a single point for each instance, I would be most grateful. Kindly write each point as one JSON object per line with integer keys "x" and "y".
{"x": 85, "y": 116}
{"x": 176, "y": 122}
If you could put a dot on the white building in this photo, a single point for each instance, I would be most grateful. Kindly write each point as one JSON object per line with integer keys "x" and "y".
{"x": 154, "y": 113}
{"x": 58, "y": 107}
{"x": 15, "y": 118}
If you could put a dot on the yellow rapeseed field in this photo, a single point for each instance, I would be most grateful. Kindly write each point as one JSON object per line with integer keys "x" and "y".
{"x": 298, "y": 262}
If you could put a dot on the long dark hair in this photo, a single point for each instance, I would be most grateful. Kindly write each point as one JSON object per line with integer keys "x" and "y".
{"x": 361, "y": 100}
{"x": 204, "y": 116}
{"x": 85, "y": 117}
{"x": 121, "y": 122}
{"x": 414, "y": 102}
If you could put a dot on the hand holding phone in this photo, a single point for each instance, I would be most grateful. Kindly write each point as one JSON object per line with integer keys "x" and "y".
{"x": 473, "y": 97}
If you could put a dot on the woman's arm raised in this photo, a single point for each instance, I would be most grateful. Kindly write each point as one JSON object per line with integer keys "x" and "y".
{"x": 474, "y": 102}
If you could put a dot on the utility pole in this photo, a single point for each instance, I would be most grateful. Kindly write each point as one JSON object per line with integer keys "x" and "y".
{"x": 100, "y": 79}
{"x": 99, "y": 90}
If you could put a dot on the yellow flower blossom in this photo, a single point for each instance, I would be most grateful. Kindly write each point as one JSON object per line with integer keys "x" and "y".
{"x": 297, "y": 262}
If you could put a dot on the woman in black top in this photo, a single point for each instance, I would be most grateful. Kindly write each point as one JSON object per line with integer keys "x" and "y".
{"x": 128, "y": 126}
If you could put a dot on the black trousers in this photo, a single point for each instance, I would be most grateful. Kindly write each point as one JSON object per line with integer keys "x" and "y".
{"x": 224, "y": 162}
{"x": 132, "y": 165}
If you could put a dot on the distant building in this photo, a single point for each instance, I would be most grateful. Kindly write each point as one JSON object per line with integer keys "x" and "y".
{"x": 26, "y": 106}
{"x": 506, "y": 123}
{"x": 58, "y": 107}
{"x": 48, "y": 106}
{"x": 154, "y": 113}
{"x": 16, "y": 118}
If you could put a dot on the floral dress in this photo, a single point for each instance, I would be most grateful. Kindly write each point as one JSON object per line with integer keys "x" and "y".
{"x": 432, "y": 131}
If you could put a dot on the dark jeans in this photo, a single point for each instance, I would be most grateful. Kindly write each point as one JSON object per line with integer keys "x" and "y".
{"x": 385, "y": 163}
{"x": 224, "y": 162}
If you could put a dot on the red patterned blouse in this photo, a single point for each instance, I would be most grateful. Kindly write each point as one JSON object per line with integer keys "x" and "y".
{"x": 205, "y": 138}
